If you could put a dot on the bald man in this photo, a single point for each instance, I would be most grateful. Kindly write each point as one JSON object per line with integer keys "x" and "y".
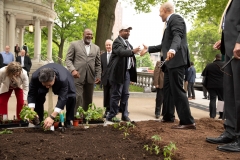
{"x": 175, "y": 51}
{"x": 105, "y": 59}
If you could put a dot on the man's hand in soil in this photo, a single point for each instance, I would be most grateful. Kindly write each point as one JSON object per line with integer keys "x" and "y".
{"x": 48, "y": 122}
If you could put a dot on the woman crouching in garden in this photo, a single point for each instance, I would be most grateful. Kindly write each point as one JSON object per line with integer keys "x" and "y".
{"x": 13, "y": 77}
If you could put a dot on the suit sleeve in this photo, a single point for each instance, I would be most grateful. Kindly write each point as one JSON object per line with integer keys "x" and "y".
{"x": 154, "y": 49}
{"x": 178, "y": 28}
{"x": 120, "y": 50}
{"x": 70, "y": 58}
{"x": 98, "y": 65}
{"x": 62, "y": 96}
{"x": 29, "y": 63}
{"x": 33, "y": 89}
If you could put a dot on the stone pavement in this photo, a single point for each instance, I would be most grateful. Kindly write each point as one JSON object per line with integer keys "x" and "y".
{"x": 141, "y": 105}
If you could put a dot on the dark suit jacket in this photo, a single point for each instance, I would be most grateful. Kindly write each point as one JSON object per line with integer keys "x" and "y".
{"x": 174, "y": 37}
{"x": 231, "y": 32}
{"x": 1, "y": 60}
{"x": 118, "y": 64}
{"x": 104, "y": 66}
{"x": 27, "y": 62}
{"x": 63, "y": 87}
{"x": 213, "y": 74}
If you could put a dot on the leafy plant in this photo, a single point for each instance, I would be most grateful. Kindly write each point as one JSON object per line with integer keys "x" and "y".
{"x": 154, "y": 147}
{"x": 169, "y": 150}
{"x": 93, "y": 112}
{"x": 6, "y": 132}
{"x": 27, "y": 113}
{"x": 126, "y": 128}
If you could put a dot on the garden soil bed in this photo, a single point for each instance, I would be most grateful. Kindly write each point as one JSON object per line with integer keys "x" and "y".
{"x": 99, "y": 142}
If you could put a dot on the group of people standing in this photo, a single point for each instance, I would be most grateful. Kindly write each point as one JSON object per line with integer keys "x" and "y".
{"x": 12, "y": 77}
{"x": 74, "y": 86}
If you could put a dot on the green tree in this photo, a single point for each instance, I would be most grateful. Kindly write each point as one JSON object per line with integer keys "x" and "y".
{"x": 201, "y": 40}
{"x": 73, "y": 16}
{"x": 144, "y": 61}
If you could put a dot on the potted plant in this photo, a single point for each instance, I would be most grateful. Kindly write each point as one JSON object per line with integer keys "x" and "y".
{"x": 56, "y": 122}
{"x": 76, "y": 119}
{"x": 92, "y": 114}
{"x": 28, "y": 114}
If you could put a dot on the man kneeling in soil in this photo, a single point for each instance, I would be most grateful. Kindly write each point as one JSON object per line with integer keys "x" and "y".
{"x": 60, "y": 80}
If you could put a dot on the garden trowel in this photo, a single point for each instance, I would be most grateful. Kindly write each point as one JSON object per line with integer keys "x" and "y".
{"x": 62, "y": 122}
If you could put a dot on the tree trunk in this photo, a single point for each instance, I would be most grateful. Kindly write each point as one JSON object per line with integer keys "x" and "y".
{"x": 60, "y": 53}
{"x": 105, "y": 22}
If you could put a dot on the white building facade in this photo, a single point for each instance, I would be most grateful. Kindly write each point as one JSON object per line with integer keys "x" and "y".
{"x": 15, "y": 15}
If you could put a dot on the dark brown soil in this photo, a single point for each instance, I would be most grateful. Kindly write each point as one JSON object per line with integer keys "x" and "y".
{"x": 99, "y": 142}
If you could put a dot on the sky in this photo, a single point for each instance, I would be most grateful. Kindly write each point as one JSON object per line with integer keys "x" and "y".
{"x": 147, "y": 28}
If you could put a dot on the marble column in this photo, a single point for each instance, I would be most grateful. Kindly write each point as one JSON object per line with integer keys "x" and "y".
{"x": 12, "y": 27}
{"x": 49, "y": 46}
{"x": 37, "y": 41}
{"x": 21, "y": 36}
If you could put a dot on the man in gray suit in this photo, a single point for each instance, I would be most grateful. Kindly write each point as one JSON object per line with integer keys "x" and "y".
{"x": 83, "y": 61}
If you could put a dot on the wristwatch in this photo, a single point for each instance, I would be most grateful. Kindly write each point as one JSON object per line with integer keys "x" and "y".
{"x": 53, "y": 118}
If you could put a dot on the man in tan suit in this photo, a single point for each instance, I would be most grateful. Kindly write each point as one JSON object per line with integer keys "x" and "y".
{"x": 83, "y": 61}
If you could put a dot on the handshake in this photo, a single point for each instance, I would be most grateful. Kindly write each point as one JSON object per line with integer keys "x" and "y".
{"x": 140, "y": 51}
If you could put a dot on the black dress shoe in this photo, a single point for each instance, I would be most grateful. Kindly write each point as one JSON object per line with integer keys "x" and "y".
{"x": 189, "y": 126}
{"x": 231, "y": 147}
{"x": 68, "y": 124}
{"x": 166, "y": 121}
{"x": 222, "y": 139}
{"x": 126, "y": 119}
{"x": 204, "y": 98}
{"x": 157, "y": 116}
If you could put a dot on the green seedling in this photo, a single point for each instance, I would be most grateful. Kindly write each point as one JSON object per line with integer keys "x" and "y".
{"x": 169, "y": 151}
{"x": 6, "y": 132}
{"x": 154, "y": 146}
{"x": 126, "y": 128}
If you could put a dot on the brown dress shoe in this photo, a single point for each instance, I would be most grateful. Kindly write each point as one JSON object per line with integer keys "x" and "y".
{"x": 189, "y": 126}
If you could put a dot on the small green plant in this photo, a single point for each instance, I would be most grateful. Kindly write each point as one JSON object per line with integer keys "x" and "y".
{"x": 93, "y": 112}
{"x": 169, "y": 150}
{"x": 126, "y": 128}
{"x": 154, "y": 147}
{"x": 116, "y": 125}
{"x": 27, "y": 113}
{"x": 6, "y": 132}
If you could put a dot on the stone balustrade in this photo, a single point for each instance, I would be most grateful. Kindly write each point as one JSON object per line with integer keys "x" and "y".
{"x": 145, "y": 80}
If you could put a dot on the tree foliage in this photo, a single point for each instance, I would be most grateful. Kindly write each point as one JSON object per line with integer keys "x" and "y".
{"x": 73, "y": 16}
{"x": 201, "y": 40}
{"x": 144, "y": 61}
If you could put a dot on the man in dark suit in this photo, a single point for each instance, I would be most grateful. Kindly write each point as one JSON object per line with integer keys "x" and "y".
{"x": 60, "y": 80}
{"x": 230, "y": 46}
{"x": 105, "y": 59}
{"x": 175, "y": 51}
{"x": 122, "y": 70}
{"x": 25, "y": 61}
{"x": 214, "y": 83}
{"x": 1, "y": 60}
